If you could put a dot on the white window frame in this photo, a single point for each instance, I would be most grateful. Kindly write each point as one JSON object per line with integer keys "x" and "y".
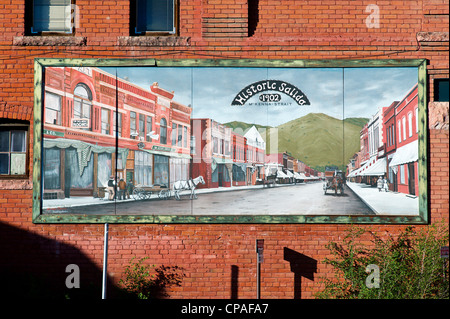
{"x": 404, "y": 127}
{"x": 105, "y": 122}
{"x": 10, "y": 128}
{"x": 54, "y": 107}
{"x": 417, "y": 119}
{"x": 410, "y": 124}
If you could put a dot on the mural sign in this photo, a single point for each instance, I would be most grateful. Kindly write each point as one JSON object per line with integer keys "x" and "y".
{"x": 271, "y": 86}
{"x": 255, "y": 141}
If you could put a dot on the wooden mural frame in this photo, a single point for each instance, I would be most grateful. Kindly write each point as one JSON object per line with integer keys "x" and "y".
{"x": 39, "y": 69}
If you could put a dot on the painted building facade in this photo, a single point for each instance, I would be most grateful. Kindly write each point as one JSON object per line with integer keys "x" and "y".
{"x": 212, "y": 155}
{"x": 404, "y": 162}
{"x": 392, "y": 140}
{"x": 85, "y": 108}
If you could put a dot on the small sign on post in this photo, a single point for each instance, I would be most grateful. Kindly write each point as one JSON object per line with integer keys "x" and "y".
{"x": 260, "y": 250}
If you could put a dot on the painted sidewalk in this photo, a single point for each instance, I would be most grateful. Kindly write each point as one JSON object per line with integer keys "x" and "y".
{"x": 386, "y": 203}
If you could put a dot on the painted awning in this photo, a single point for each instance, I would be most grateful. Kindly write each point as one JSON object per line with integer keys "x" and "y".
{"x": 84, "y": 150}
{"x": 168, "y": 154}
{"x": 289, "y": 174}
{"x": 361, "y": 171}
{"x": 377, "y": 169}
{"x": 280, "y": 174}
{"x": 406, "y": 154}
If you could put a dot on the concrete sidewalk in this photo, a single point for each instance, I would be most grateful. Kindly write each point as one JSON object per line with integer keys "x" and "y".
{"x": 89, "y": 200}
{"x": 386, "y": 203}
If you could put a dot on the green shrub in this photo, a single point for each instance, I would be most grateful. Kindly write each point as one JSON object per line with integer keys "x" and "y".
{"x": 144, "y": 281}
{"x": 409, "y": 265}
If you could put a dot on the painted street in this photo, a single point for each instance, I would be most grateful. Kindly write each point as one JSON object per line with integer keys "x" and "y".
{"x": 300, "y": 199}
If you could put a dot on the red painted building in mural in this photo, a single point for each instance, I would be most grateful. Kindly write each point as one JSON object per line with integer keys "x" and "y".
{"x": 225, "y": 158}
{"x": 398, "y": 152}
{"x": 404, "y": 162}
{"x": 390, "y": 145}
{"x": 255, "y": 148}
{"x": 211, "y": 153}
{"x": 84, "y": 110}
{"x": 239, "y": 159}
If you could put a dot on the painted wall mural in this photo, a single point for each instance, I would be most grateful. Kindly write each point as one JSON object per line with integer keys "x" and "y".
{"x": 251, "y": 142}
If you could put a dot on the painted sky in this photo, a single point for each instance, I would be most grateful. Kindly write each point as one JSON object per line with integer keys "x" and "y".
{"x": 337, "y": 92}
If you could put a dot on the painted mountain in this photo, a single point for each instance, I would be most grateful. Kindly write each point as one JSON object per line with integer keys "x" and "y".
{"x": 317, "y": 139}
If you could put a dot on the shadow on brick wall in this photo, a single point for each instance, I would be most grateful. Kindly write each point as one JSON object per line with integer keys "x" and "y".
{"x": 34, "y": 267}
{"x": 301, "y": 266}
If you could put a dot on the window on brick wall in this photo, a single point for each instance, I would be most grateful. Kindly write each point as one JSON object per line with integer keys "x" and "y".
{"x": 153, "y": 17}
{"x": 49, "y": 16}
{"x": 13, "y": 149}
{"x": 441, "y": 90}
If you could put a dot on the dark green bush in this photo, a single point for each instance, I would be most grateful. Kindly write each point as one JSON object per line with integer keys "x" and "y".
{"x": 144, "y": 281}
{"x": 410, "y": 266}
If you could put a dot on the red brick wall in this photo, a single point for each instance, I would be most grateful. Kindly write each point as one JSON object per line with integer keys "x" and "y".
{"x": 307, "y": 29}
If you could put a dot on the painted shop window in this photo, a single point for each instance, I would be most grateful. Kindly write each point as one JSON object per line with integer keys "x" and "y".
{"x": 402, "y": 174}
{"x": 104, "y": 169}
{"x": 143, "y": 168}
{"x": 161, "y": 173}
{"x": 51, "y": 16}
{"x": 179, "y": 169}
{"x": 13, "y": 149}
{"x": 224, "y": 141}
{"x": 80, "y": 168}
{"x": 239, "y": 172}
{"x": 52, "y": 168}
{"x": 150, "y": 17}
